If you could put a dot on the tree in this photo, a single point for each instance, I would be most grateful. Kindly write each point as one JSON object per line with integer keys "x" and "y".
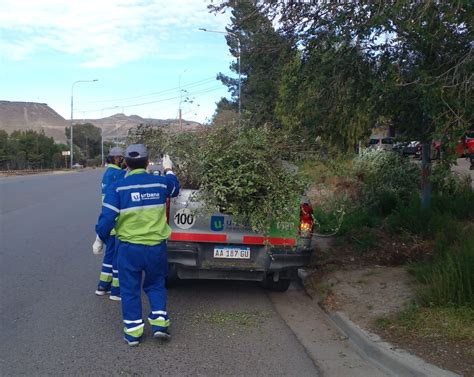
{"x": 87, "y": 138}
{"x": 422, "y": 53}
{"x": 26, "y": 150}
{"x": 263, "y": 53}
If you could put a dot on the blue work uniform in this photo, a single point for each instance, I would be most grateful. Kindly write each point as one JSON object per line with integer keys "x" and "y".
{"x": 136, "y": 207}
{"x": 108, "y": 279}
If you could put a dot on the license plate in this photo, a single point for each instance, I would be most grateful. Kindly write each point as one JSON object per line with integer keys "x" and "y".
{"x": 227, "y": 252}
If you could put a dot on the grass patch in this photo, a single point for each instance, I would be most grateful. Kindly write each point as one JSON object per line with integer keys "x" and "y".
{"x": 449, "y": 323}
{"x": 240, "y": 319}
{"x": 448, "y": 280}
{"x": 324, "y": 289}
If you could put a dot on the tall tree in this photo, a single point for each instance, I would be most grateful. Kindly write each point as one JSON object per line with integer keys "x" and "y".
{"x": 263, "y": 53}
{"x": 87, "y": 138}
{"x": 422, "y": 51}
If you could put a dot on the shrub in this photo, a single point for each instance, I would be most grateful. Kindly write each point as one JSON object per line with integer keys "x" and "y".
{"x": 449, "y": 279}
{"x": 389, "y": 179}
{"x": 412, "y": 218}
{"x": 459, "y": 205}
{"x": 447, "y": 182}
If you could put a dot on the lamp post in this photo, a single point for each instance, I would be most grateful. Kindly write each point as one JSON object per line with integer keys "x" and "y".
{"x": 72, "y": 114}
{"x": 238, "y": 60}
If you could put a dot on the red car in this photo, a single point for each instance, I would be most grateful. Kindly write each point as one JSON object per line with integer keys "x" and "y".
{"x": 466, "y": 145}
{"x": 464, "y": 148}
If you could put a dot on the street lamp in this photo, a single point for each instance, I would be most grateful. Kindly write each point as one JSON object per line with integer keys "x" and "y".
{"x": 72, "y": 113}
{"x": 238, "y": 60}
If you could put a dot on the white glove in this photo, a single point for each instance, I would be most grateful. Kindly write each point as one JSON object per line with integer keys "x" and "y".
{"x": 166, "y": 161}
{"x": 98, "y": 246}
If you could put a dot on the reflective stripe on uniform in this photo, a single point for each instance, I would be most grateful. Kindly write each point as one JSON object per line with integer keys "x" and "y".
{"x": 160, "y": 321}
{"x": 140, "y": 186}
{"x": 115, "y": 282}
{"x": 159, "y": 312}
{"x": 105, "y": 277}
{"x": 136, "y": 331}
{"x": 138, "y": 208}
{"x": 107, "y": 265}
{"x": 109, "y": 206}
{"x": 128, "y": 322}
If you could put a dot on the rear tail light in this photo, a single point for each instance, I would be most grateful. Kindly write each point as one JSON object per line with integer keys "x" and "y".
{"x": 306, "y": 220}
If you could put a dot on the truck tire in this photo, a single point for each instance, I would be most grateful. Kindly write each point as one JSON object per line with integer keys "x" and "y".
{"x": 172, "y": 279}
{"x": 276, "y": 286}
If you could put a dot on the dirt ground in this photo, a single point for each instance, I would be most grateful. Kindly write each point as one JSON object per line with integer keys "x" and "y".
{"x": 369, "y": 293}
{"x": 366, "y": 291}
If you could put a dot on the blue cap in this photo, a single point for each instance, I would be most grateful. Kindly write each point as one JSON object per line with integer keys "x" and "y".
{"x": 116, "y": 152}
{"x": 135, "y": 151}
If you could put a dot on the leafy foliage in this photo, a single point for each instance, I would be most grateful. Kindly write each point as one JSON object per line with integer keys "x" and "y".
{"x": 389, "y": 180}
{"x": 263, "y": 53}
{"x": 238, "y": 170}
{"x": 29, "y": 150}
{"x": 87, "y": 138}
{"x": 243, "y": 174}
{"x": 183, "y": 147}
{"x": 402, "y": 63}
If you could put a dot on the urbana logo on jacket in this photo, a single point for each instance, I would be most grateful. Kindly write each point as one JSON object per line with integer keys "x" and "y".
{"x": 136, "y": 196}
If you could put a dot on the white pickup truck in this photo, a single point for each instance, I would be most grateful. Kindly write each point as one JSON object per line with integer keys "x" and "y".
{"x": 204, "y": 246}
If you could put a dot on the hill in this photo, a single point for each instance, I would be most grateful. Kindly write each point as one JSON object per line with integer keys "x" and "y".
{"x": 32, "y": 116}
{"x": 39, "y": 116}
{"x": 118, "y": 125}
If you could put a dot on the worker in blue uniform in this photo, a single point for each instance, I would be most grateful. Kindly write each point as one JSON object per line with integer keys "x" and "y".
{"x": 108, "y": 279}
{"x": 136, "y": 207}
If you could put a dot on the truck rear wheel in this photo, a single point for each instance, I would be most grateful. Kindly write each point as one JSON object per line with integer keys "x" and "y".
{"x": 280, "y": 285}
{"x": 172, "y": 279}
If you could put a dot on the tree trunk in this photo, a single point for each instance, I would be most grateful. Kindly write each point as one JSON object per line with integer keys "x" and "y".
{"x": 425, "y": 175}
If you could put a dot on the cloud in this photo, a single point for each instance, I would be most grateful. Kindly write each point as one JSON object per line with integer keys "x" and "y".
{"x": 104, "y": 33}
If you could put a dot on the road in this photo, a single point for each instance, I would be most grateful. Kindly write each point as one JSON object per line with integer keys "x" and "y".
{"x": 53, "y": 324}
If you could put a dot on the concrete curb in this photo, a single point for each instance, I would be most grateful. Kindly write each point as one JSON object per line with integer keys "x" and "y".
{"x": 394, "y": 361}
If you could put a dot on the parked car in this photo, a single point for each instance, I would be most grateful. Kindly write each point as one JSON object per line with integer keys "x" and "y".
{"x": 434, "y": 153}
{"x": 406, "y": 148}
{"x": 382, "y": 144}
{"x": 465, "y": 146}
{"x": 77, "y": 166}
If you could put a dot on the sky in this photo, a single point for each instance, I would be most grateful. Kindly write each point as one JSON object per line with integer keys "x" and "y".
{"x": 147, "y": 55}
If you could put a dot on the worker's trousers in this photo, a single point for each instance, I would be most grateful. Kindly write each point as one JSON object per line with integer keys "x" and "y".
{"x": 133, "y": 261}
{"x": 108, "y": 278}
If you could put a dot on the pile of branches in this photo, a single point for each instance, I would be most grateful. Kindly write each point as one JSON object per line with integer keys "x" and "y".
{"x": 239, "y": 170}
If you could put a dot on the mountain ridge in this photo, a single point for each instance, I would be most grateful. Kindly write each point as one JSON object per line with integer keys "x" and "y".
{"x": 22, "y": 116}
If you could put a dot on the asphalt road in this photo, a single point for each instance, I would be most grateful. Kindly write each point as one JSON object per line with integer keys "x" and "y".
{"x": 52, "y": 323}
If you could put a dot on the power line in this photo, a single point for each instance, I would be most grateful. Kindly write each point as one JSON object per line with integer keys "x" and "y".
{"x": 202, "y": 91}
{"x": 190, "y": 85}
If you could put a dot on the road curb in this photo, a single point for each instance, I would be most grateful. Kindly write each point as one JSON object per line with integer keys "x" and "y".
{"x": 395, "y": 361}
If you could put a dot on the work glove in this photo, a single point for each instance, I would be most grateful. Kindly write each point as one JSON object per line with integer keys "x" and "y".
{"x": 167, "y": 164}
{"x": 98, "y": 246}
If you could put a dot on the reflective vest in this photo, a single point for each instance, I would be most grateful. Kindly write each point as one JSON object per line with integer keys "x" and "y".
{"x": 136, "y": 207}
